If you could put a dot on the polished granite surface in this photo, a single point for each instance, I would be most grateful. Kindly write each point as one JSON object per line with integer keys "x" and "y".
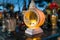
{"x": 20, "y": 35}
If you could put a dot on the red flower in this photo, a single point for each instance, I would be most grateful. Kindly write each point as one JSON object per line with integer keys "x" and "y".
{"x": 53, "y": 5}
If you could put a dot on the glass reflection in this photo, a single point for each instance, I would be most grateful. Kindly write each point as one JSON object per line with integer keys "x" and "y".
{"x": 34, "y": 38}
{"x": 31, "y": 18}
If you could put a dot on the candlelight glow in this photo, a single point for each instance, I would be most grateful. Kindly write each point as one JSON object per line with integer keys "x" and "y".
{"x": 33, "y": 22}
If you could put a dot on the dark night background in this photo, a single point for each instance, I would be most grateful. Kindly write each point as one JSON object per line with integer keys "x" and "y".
{"x": 18, "y": 6}
{"x": 40, "y": 4}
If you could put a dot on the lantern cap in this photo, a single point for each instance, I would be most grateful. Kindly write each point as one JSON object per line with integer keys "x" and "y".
{"x": 32, "y": 4}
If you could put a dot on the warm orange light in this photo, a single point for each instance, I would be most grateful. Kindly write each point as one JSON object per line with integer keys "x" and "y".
{"x": 42, "y": 17}
{"x": 0, "y": 15}
{"x": 34, "y": 18}
{"x": 38, "y": 38}
{"x": 34, "y": 39}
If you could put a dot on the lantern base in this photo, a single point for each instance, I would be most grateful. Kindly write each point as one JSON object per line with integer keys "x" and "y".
{"x": 33, "y": 31}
